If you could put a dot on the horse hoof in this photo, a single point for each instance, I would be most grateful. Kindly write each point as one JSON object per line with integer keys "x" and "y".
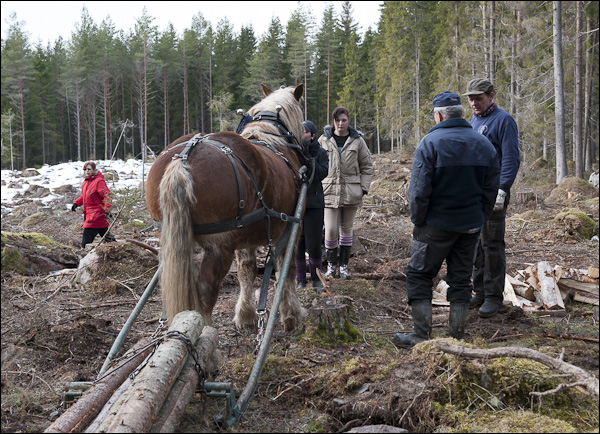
{"x": 289, "y": 324}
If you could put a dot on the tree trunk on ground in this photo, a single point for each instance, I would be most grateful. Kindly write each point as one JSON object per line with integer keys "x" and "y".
{"x": 89, "y": 405}
{"x": 187, "y": 383}
{"x": 136, "y": 412}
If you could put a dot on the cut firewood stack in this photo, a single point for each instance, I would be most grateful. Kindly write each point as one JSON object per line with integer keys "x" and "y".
{"x": 541, "y": 287}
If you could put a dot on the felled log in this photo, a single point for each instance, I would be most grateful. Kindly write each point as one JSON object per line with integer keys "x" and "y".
{"x": 135, "y": 412}
{"x": 119, "y": 394}
{"x": 186, "y": 384}
{"x": 550, "y": 295}
{"x": 589, "y": 381}
{"x": 79, "y": 415}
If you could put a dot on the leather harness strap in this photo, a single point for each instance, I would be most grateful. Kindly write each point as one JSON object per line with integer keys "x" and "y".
{"x": 241, "y": 219}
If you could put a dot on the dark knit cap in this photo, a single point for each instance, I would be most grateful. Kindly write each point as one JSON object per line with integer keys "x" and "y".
{"x": 310, "y": 127}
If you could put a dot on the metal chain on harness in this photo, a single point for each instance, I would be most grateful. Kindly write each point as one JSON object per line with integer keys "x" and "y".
{"x": 262, "y": 320}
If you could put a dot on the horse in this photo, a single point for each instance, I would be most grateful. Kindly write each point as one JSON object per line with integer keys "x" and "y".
{"x": 210, "y": 197}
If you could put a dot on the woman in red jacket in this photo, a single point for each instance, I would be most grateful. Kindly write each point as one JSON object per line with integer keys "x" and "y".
{"x": 96, "y": 199}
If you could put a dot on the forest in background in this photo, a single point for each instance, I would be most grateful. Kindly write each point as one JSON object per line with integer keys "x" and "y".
{"x": 108, "y": 92}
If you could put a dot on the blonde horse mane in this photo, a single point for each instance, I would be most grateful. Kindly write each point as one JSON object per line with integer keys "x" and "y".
{"x": 291, "y": 114}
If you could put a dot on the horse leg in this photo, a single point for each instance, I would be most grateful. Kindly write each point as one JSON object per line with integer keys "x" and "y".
{"x": 292, "y": 312}
{"x": 245, "y": 309}
{"x": 214, "y": 266}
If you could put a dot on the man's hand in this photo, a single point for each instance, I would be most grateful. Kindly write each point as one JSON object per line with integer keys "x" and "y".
{"x": 74, "y": 207}
{"x": 500, "y": 198}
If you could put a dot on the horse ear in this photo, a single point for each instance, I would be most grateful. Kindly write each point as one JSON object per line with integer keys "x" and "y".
{"x": 266, "y": 90}
{"x": 299, "y": 91}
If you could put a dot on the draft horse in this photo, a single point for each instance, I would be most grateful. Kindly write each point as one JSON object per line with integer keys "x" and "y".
{"x": 211, "y": 193}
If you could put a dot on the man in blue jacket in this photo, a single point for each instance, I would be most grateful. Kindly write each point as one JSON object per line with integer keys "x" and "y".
{"x": 453, "y": 186}
{"x": 501, "y": 129}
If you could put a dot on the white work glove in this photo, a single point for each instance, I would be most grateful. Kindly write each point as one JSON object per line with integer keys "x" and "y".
{"x": 499, "y": 205}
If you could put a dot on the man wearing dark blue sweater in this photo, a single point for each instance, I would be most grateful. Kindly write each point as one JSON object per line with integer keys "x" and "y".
{"x": 501, "y": 129}
{"x": 452, "y": 190}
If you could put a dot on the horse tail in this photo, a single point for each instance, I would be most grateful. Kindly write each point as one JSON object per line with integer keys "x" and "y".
{"x": 178, "y": 279}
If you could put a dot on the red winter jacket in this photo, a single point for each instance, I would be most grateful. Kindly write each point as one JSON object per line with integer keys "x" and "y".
{"x": 96, "y": 200}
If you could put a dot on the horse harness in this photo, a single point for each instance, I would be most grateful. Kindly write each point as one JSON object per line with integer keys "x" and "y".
{"x": 264, "y": 212}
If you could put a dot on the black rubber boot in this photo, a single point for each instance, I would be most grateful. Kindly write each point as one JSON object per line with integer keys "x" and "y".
{"x": 457, "y": 320}
{"x": 476, "y": 301}
{"x": 421, "y": 313}
{"x": 344, "y": 259}
{"x": 488, "y": 309}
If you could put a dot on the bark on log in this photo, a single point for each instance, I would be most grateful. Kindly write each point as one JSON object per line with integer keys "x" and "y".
{"x": 186, "y": 384}
{"x": 79, "y": 415}
{"x": 521, "y": 288}
{"x": 119, "y": 394}
{"x": 580, "y": 375}
{"x": 550, "y": 295}
{"x": 149, "y": 390}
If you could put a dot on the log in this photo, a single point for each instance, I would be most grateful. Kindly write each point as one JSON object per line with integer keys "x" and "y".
{"x": 521, "y": 288}
{"x": 509, "y": 293}
{"x": 119, "y": 394}
{"x": 550, "y": 295}
{"x": 147, "y": 393}
{"x": 186, "y": 384}
{"x": 79, "y": 415}
{"x": 589, "y": 289}
{"x": 580, "y": 375}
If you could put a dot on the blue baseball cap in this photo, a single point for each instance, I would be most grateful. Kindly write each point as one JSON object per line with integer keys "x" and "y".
{"x": 445, "y": 99}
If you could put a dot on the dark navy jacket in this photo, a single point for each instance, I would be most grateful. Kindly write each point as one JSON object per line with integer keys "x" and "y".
{"x": 314, "y": 196}
{"x": 501, "y": 129}
{"x": 454, "y": 178}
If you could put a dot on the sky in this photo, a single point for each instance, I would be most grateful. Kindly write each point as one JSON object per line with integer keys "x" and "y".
{"x": 45, "y": 21}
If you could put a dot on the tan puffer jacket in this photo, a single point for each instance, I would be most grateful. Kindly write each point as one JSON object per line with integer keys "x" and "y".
{"x": 350, "y": 171}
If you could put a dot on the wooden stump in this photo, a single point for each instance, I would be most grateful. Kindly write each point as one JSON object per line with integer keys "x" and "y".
{"x": 524, "y": 196}
{"x": 330, "y": 322}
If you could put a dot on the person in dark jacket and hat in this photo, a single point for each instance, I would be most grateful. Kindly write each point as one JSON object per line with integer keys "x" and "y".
{"x": 312, "y": 222}
{"x": 490, "y": 262}
{"x": 96, "y": 199}
{"x": 452, "y": 191}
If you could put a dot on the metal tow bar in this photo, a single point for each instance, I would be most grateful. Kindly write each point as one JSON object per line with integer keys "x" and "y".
{"x": 234, "y": 412}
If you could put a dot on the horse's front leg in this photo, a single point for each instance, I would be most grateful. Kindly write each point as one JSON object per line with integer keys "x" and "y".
{"x": 292, "y": 312}
{"x": 245, "y": 309}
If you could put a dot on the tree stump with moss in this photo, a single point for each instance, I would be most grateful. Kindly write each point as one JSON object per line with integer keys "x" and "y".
{"x": 330, "y": 322}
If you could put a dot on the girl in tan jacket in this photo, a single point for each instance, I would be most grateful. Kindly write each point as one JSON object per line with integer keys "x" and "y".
{"x": 349, "y": 179}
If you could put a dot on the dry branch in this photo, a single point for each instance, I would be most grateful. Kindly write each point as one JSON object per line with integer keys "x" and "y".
{"x": 580, "y": 375}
